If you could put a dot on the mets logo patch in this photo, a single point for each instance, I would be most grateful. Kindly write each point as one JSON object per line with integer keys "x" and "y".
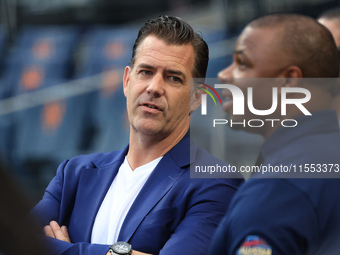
{"x": 254, "y": 245}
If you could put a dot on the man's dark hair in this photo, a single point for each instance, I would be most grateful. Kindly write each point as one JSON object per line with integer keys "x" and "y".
{"x": 310, "y": 45}
{"x": 174, "y": 31}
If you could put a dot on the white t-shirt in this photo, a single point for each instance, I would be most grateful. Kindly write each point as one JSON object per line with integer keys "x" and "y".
{"x": 118, "y": 200}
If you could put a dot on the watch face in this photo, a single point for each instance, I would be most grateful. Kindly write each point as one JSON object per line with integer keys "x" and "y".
{"x": 121, "y": 248}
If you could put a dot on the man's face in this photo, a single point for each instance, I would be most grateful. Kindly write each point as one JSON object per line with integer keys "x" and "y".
{"x": 158, "y": 88}
{"x": 333, "y": 27}
{"x": 258, "y": 54}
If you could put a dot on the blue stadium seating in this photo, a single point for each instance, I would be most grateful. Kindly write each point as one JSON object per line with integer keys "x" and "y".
{"x": 40, "y": 51}
{"x": 107, "y": 51}
{"x": 217, "y": 64}
{"x": 3, "y": 44}
{"x": 107, "y": 48}
{"x": 46, "y": 135}
{"x": 64, "y": 36}
{"x": 214, "y": 35}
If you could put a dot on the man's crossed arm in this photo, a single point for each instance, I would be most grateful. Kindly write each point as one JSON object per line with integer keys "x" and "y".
{"x": 61, "y": 233}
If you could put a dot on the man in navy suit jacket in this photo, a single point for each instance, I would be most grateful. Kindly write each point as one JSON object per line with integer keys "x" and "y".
{"x": 286, "y": 212}
{"x": 170, "y": 213}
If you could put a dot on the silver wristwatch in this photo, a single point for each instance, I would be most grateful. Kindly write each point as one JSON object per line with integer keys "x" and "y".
{"x": 121, "y": 248}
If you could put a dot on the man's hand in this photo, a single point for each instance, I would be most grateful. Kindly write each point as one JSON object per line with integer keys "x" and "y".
{"x": 55, "y": 231}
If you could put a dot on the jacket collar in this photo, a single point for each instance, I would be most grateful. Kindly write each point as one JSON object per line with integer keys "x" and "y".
{"x": 95, "y": 182}
{"x": 183, "y": 154}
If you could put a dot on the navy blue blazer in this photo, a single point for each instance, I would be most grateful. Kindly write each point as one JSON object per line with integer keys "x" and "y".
{"x": 172, "y": 214}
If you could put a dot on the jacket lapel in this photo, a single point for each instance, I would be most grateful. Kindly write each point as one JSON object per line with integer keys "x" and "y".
{"x": 157, "y": 186}
{"x": 93, "y": 186}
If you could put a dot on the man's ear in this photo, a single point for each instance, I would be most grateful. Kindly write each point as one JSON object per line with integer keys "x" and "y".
{"x": 126, "y": 79}
{"x": 292, "y": 75}
{"x": 196, "y": 96}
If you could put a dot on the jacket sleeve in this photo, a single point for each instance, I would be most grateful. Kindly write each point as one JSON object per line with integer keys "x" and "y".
{"x": 207, "y": 207}
{"x": 51, "y": 208}
{"x": 60, "y": 195}
{"x": 57, "y": 247}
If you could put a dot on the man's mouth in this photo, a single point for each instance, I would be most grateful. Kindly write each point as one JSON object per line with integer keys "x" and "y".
{"x": 152, "y": 106}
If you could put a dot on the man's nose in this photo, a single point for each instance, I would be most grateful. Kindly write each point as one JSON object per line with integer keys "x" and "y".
{"x": 226, "y": 75}
{"x": 156, "y": 85}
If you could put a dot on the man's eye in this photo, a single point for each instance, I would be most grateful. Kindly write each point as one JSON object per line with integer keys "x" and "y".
{"x": 241, "y": 63}
{"x": 175, "y": 79}
{"x": 146, "y": 72}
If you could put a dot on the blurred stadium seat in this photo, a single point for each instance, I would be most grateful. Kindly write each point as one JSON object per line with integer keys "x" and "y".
{"x": 40, "y": 51}
{"x": 46, "y": 135}
{"x": 215, "y": 35}
{"x": 6, "y": 133}
{"x": 106, "y": 48}
{"x": 41, "y": 57}
{"x": 3, "y": 44}
{"x": 217, "y": 64}
{"x": 3, "y": 38}
{"x": 107, "y": 51}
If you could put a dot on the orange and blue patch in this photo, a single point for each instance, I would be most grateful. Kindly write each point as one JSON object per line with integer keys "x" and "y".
{"x": 254, "y": 245}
